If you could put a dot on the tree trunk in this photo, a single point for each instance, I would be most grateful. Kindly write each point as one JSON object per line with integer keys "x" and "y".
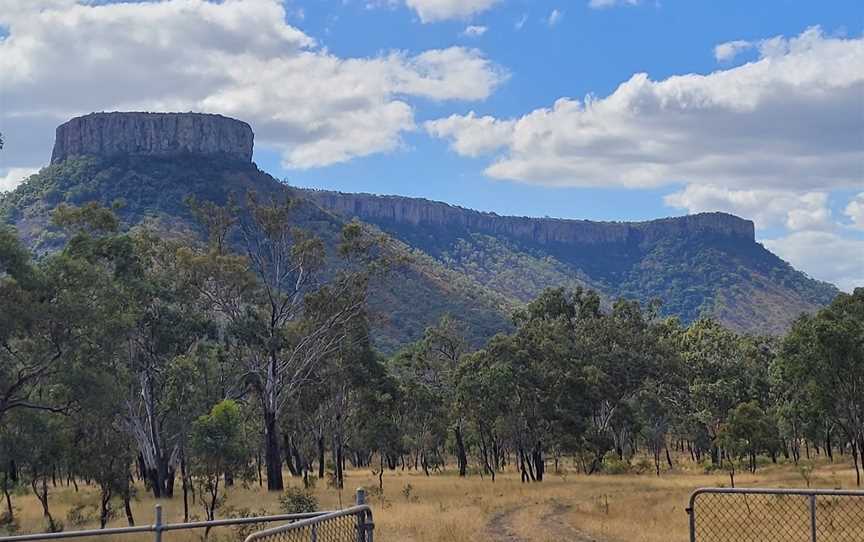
{"x": 539, "y": 463}
{"x": 105, "y": 509}
{"x": 461, "y": 456}
{"x": 272, "y": 453}
{"x": 321, "y": 456}
{"x": 127, "y": 507}
{"x": 185, "y": 479}
{"x": 10, "y": 513}
{"x": 340, "y": 462}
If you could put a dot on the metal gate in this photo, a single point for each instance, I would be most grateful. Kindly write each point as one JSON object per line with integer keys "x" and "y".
{"x": 776, "y": 515}
{"x": 349, "y": 525}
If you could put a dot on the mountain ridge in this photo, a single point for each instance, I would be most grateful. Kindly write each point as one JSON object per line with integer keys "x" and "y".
{"x": 541, "y": 229}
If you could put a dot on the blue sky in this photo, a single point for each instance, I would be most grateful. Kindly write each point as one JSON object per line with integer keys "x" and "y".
{"x": 588, "y": 51}
{"x": 597, "y": 109}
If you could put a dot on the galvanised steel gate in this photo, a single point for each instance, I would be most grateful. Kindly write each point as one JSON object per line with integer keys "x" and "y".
{"x": 776, "y": 515}
{"x": 350, "y": 525}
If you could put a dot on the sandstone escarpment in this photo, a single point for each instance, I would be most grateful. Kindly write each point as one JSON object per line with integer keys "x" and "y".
{"x": 413, "y": 211}
{"x": 153, "y": 134}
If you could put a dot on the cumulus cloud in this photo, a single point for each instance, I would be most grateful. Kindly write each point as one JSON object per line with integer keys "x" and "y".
{"x": 767, "y": 208}
{"x": 601, "y": 4}
{"x": 725, "y": 52}
{"x": 788, "y": 121}
{"x": 826, "y": 256}
{"x": 474, "y": 31}
{"x": 431, "y": 11}
{"x": 235, "y": 57}
{"x": 477, "y": 135}
{"x": 855, "y": 211}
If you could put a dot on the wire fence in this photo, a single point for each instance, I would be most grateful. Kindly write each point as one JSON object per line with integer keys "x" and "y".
{"x": 776, "y": 515}
{"x": 350, "y": 525}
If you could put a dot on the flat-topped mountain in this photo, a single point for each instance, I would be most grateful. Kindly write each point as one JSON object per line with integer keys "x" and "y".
{"x": 153, "y": 134}
{"x": 475, "y": 266}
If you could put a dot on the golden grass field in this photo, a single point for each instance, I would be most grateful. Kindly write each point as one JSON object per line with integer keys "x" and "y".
{"x": 444, "y": 508}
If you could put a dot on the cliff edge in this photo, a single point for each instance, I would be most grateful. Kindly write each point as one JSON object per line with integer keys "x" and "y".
{"x": 417, "y": 212}
{"x": 153, "y": 134}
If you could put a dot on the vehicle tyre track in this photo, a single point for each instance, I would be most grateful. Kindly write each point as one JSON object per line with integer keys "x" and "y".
{"x": 500, "y": 528}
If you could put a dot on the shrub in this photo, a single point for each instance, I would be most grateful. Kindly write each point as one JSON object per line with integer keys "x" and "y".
{"x": 82, "y": 514}
{"x": 613, "y": 465}
{"x": 298, "y": 501}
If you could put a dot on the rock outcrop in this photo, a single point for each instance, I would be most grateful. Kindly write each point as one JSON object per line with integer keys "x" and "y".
{"x": 414, "y": 211}
{"x": 153, "y": 134}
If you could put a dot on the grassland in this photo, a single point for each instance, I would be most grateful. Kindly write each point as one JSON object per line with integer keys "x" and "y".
{"x": 444, "y": 508}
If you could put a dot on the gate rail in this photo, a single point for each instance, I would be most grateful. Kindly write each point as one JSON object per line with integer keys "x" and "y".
{"x": 349, "y": 525}
{"x": 781, "y": 515}
{"x": 361, "y": 511}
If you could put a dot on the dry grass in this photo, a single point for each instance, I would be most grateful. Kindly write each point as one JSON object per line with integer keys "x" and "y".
{"x": 444, "y": 508}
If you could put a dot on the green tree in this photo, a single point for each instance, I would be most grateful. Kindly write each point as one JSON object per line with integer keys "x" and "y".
{"x": 217, "y": 447}
{"x": 823, "y": 357}
{"x": 295, "y": 315}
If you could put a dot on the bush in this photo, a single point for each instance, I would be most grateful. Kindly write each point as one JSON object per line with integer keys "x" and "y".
{"x": 613, "y": 465}
{"x": 82, "y": 514}
{"x": 644, "y": 465}
{"x": 298, "y": 501}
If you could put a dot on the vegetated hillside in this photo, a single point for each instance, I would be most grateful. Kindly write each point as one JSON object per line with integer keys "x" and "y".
{"x": 698, "y": 265}
{"x": 152, "y": 190}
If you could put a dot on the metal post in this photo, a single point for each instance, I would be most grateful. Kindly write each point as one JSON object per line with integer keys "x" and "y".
{"x": 314, "y": 533}
{"x": 157, "y": 526}
{"x": 364, "y": 527}
{"x": 691, "y": 512}
{"x": 813, "y": 518}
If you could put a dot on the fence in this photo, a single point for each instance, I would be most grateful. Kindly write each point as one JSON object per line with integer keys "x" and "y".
{"x": 350, "y": 525}
{"x": 776, "y": 515}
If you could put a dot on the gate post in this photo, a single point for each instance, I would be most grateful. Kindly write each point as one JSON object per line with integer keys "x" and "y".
{"x": 691, "y": 512}
{"x": 813, "y": 517}
{"x": 157, "y": 527}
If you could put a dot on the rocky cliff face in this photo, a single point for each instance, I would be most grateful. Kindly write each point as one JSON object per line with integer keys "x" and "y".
{"x": 401, "y": 210}
{"x": 153, "y": 134}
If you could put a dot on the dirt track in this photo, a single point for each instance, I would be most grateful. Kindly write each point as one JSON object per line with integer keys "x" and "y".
{"x": 552, "y": 523}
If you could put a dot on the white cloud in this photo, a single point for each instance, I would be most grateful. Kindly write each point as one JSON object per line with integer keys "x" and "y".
{"x": 554, "y": 17}
{"x": 788, "y": 121}
{"x": 473, "y": 31}
{"x": 767, "y": 208}
{"x": 855, "y": 211}
{"x": 236, "y": 57}
{"x": 601, "y": 4}
{"x": 520, "y": 22}
{"x": 477, "y": 135}
{"x": 825, "y": 256}
{"x": 13, "y": 177}
{"x": 729, "y": 50}
{"x": 431, "y": 11}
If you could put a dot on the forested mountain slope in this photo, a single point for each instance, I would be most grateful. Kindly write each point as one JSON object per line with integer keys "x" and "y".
{"x": 698, "y": 265}
{"x": 151, "y": 191}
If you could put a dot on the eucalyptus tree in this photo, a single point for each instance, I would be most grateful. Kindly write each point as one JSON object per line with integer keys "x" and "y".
{"x": 217, "y": 446}
{"x": 442, "y": 348}
{"x": 35, "y": 332}
{"x": 823, "y": 356}
{"x": 286, "y": 303}
{"x": 714, "y": 364}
